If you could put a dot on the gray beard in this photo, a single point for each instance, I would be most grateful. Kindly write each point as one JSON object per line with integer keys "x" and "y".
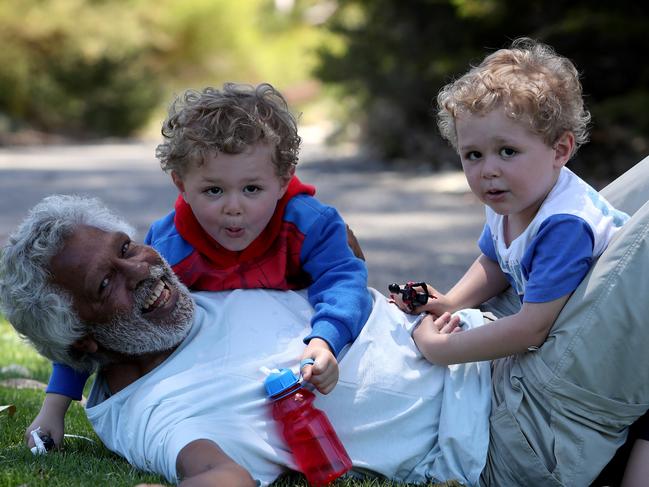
{"x": 133, "y": 334}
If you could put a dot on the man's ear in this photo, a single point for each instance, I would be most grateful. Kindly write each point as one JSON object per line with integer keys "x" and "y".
{"x": 178, "y": 181}
{"x": 86, "y": 344}
{"x": 563, "y": 148}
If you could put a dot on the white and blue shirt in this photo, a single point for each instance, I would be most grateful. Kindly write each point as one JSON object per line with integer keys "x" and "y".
{"x": 573, "y": 226}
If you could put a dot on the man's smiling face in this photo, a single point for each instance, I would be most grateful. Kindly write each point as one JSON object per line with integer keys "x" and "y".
{"x": 129, "y": 296}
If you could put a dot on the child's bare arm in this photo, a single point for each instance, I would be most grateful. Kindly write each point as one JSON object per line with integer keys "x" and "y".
{"x": 483, "y": 280}
{"x": 506, "y": 336}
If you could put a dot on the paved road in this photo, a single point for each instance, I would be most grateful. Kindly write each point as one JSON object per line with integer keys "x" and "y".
{"x": 411, "y": 225}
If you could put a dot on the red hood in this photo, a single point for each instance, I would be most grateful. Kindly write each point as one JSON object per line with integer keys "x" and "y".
{"x": 189, "y": 229}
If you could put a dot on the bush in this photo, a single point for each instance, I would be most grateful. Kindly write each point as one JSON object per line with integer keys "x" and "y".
{"x": 101, "y": 67}
{"x": 76, "y": 68}
{"x": 397, "y": 55}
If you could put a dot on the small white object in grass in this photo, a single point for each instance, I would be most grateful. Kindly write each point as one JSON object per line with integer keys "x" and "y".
{"x": 39, "y": 449}
{"x": 80, "y": 437}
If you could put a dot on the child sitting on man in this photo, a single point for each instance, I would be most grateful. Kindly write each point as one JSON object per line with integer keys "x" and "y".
{"x": 244, "y": 220}
{"x": 516, "y": 120}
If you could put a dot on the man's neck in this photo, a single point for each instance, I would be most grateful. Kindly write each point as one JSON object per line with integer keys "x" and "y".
{"x": 124, "y": 372}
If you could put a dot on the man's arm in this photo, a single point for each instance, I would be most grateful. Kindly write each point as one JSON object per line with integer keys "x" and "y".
{"x": 203, "y": 463}
{"x": 51, "y": 418}
{"x": 353, "y": 243}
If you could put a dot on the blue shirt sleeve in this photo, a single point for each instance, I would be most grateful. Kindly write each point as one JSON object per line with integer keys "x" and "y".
{"x": 67, "y": 381}
{"x": 338, "y": 291}
{"x": 164, "y": 237}
{"x": 148, "y": 238}
{"x": 558, "y": 258}
{"x": 486, "y": 244}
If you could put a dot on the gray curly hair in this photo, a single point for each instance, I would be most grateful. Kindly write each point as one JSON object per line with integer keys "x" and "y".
{"x": 530, "y": 82}
{"x": 228, "y": 120}
{"x": 41, "y": 312}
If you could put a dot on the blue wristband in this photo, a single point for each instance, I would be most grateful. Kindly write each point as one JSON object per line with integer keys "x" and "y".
{"x": 306, "y": 361}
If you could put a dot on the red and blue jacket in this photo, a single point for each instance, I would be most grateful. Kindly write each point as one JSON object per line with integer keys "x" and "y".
{"x": 303, "y": 246}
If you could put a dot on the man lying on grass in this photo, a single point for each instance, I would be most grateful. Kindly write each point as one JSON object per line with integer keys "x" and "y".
{"x": 179, "y": 389}
{"x": 558, "y": 413}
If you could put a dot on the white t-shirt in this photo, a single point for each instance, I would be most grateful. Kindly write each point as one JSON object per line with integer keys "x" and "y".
{"x": 396, "y": 414}
{"x": 551, "y": 257}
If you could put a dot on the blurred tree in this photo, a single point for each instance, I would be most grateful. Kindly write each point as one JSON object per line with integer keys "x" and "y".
{"x": 393, "y": 57}
{"x": 101, "y": 67}
{"x": 75, "y": 67}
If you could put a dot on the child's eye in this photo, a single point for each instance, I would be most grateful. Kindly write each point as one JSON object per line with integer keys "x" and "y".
{"x": 507, "y": 152}
{"x": 473, "y": 155}
{"x": 251, "y": 188}
{"x": 213, "y": 191}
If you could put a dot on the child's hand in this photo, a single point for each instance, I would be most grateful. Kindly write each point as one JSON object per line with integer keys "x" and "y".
{"x": 51, "y": 419}
{"x": 437, "y": 303}
{"x": 323, "y": 374}
{"x": 429, "y": 335}
{"x": 444, "y": 324}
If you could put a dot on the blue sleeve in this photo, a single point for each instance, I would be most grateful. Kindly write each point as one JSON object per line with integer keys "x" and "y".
{"x": 67, "y": 381}
{"x": 164, "y": 237}
{"x": 486, "y": 244}
{"x": 558, "y": 258}
{"x": 338, "y": 291}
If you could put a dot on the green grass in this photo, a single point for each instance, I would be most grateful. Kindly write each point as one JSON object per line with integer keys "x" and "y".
{"x": 80, "y": 463}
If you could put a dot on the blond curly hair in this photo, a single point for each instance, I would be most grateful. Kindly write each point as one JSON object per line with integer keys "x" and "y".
{"x": 228, "y": 120}
{"x": 530, "y": 82}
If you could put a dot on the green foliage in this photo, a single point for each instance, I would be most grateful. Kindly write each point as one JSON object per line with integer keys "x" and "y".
{"x": 95, "y": 68}
{"x": 397, "y": 55}
{"x": 75, "y": 67}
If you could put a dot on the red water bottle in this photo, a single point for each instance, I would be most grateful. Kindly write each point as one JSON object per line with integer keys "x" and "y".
{"x": 316, "y": 448}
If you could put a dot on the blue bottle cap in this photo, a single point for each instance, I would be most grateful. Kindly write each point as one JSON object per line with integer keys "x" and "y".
{"x": 280, "y": 381}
